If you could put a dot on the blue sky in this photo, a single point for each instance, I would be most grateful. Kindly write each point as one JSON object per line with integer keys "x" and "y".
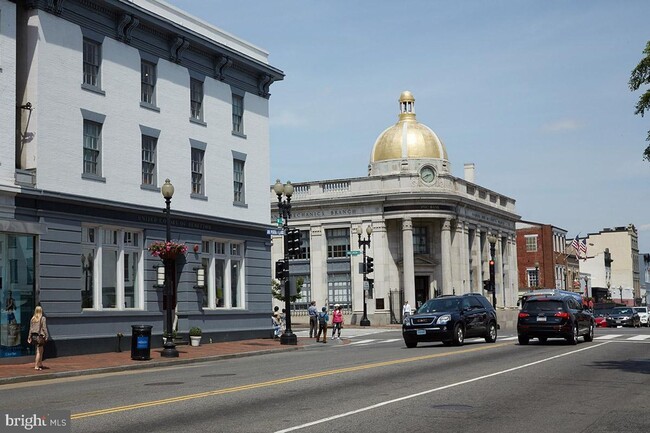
{"x": 533, "y": 92}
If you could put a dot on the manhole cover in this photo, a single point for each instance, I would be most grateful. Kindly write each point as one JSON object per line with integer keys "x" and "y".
{"x": 219, "y": 375}
{"x": 453, "y": 407}
{"x": 164, "y": 383}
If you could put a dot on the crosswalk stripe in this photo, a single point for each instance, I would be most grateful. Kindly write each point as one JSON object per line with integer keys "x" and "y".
{"x": 608, "y": 337}
{"x": 639, "y": 337}
{"x": 362, "y": 342}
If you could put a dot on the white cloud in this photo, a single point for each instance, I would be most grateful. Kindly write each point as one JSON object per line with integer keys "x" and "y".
{"x": 563, "y": 125}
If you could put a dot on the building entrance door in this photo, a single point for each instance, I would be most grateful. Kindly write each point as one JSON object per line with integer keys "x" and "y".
{"x": 16, "y": 293}
{"x": 421, "y": 290}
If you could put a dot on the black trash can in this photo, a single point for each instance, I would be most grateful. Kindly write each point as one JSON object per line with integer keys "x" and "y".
{"x": 141, "y": 342}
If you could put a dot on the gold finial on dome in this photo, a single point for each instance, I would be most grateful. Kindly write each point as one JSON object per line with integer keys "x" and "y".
{"x": 406, "y": 106}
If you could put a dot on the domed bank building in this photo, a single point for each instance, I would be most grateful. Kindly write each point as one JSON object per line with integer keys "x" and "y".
{"x": 430, "y": 232}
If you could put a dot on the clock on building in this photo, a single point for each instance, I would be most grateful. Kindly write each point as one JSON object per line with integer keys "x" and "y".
{"x": 427, "y": 174}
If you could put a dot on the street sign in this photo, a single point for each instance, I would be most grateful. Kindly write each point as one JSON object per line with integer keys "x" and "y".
{"x": 275, "y": 232}
{"x": 353, "y": 253}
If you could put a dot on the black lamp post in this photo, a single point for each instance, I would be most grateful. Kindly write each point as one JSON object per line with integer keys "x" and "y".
{"x": 363, "y": 244}
{"x": 537, "y": 285}
{"x": 284, "y": 208}
{"x": 492, "y": 240}
{"x": 169, "y": 348}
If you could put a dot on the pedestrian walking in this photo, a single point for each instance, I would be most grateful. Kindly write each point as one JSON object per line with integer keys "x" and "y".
{"x": 38, "y": 335}
{"x": 323, "y": 318}
{"x": 406, "y": 310}
{"x": 277, "y": 322}
{"x": 337, "y": 321}
{"x": 313, "y": 319}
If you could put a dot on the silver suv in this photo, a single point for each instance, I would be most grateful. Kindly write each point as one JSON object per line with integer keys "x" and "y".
{"x": 643, "y": 314}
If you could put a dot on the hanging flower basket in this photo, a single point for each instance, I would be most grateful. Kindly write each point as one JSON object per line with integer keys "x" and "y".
{"x": 167, "y": 250}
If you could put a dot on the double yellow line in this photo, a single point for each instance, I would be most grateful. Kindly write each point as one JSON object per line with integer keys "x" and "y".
{"x": 275, "y": 382}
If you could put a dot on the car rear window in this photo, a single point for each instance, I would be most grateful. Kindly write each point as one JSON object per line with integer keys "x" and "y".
{"x": 440, "y": 304}
{"x": 534, "y": 306}
{"x": 622, "y": 310}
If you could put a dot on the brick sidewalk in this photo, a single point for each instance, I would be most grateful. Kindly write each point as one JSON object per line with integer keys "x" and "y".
{"x": 67, "y": 366}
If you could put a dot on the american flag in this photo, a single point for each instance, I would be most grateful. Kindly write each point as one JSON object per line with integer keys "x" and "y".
{"x": 576, "y": 244}
{"x": 583, "y": 246}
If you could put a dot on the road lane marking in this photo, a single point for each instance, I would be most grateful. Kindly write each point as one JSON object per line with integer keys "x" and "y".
{"x": 361, "y": 342}
{"x": 639, "y": 337}
{"x": 173, "y": 400}
{"x": 608, "y": 337}
{"x": 429, "y": 391}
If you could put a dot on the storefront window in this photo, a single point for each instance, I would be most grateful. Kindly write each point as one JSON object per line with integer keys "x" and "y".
{"x": 16, "y": 293}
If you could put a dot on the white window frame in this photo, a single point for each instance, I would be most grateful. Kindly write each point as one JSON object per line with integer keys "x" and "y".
{"x": 229, "y": 251}
{"x": 99, "y": 245}
{"x": 529, "y": 245}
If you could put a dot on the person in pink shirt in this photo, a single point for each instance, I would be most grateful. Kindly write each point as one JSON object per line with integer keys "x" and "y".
{"x": 337, "y": 321}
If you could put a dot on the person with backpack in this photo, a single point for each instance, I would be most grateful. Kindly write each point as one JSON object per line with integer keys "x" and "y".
{"x": 323, "y": 318}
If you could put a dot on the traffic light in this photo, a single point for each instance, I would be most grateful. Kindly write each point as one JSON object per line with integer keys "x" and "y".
{"x": 369, "y": 266}
{"x": 281, "y": 270}
{"x": 293, "y": 242}
{"x": 486, "y": 286}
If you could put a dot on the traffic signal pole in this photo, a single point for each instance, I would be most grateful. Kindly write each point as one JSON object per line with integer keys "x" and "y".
{"x": 367, "y": 268}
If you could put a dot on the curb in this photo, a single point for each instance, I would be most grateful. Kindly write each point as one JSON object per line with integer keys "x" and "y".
{"x": 145, "y": 365}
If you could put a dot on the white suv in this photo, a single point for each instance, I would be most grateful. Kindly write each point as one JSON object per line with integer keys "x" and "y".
{"x": 643, "y": 314}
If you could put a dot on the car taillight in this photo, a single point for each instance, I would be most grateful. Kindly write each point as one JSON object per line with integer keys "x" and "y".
{"x": 562, "y": 314}
{"x": 523, "y": 315}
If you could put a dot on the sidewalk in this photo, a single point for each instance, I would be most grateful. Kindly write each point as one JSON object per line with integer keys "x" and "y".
{"x": 68, "y": 366}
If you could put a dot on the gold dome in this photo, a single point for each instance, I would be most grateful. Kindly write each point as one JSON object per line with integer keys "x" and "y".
{"x": 407, "y": 138}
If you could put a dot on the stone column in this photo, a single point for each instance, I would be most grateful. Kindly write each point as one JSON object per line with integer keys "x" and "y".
{"x": 318, "y": 264}
{"x": 465, "y": 256}
{"x": 457, "y": 259}
{"x": 445, "y": 247}
{"x": 408, "y": 262}
{"x": 478, "y": 261}
{"x": 498, "y": 268}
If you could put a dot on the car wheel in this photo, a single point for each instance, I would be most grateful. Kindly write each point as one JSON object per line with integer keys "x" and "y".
{"x": 491, "y": 335}
{"x": 459, "y": 335}
{"x": 590, "y": 335}
{"x": 410, "y": 343}
{"x": 542, "y": 339}
{"x": 523, "y": 339}
{"x": 573, "y": 339}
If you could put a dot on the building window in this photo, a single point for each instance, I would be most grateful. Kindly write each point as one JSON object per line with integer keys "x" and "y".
{"x": 111, "y": 266}
{"x": 237, "y": 114}
{"x": 339, "y": 290}
{"x": 197, "y": 171}
{"x": 92, "y": 57}
{"x": 305, "y": 248}
{"x": 531, "y": 243}
{"x": 420, "y": 240}
{"x": 149, "y": 160}
{"x": 92, "y": 148}
{"x": 196, "y": 99}
{"x": 238, "y": 181}
{"x": 224, "y": 264}
{"x": 338, "y": 243}
{"x": 147, "y": 82}
{"x": 533, "y": 277}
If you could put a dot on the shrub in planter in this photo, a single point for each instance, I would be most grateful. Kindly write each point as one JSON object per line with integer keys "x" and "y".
{"x": 195, "y": 331}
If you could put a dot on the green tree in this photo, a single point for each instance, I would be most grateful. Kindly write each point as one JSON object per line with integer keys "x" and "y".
{"x": 640, "y": 76}
{"x": 277, "y": 289}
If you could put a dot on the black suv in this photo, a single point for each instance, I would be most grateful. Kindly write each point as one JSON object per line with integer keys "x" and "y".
{"x": 451, "y": 319}
{"x": 545, "y": 317}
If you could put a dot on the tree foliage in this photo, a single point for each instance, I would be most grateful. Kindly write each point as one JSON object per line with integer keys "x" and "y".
{"x": 641, "y": 76}
{"x": 277, "y": 289}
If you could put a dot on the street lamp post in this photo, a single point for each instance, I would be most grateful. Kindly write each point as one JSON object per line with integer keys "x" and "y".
{"x": 493, "y": 240}
{"x": 363, "y": 243}
{"x": 169, "y": 348}
{"x": 537, "y": 275}
{"x": 284, "y": 208}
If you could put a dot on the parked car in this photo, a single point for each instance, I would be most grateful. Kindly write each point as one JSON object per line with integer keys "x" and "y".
{"x": 451, "y": 319}
{"x": 643, "y": 315}
{"x": 623, "y": 316}
{"x": 561, "y": 316}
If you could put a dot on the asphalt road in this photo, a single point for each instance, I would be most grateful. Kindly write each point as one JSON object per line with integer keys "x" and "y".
{"x": 372, "y": 383}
